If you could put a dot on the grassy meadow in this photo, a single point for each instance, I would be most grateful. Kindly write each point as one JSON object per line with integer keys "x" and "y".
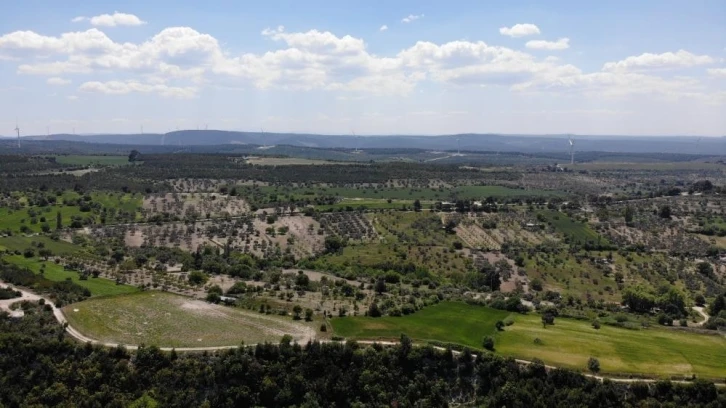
{"x": 568, "y": 343}
{"x": 168, "y": 320}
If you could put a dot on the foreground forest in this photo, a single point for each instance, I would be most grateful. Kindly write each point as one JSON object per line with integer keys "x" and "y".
{"x": 38, "y": 367}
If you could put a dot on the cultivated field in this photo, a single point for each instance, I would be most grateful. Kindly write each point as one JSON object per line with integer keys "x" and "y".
{"x": 568, "y": 343}
{"x": 167, "y": 320}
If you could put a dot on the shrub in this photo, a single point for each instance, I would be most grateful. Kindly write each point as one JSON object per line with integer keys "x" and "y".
{"x": 488, "y": 343}
{"x": 593, "y": 365}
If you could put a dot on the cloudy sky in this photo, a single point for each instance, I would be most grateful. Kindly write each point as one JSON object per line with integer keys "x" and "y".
{"x": 395, "y": 67}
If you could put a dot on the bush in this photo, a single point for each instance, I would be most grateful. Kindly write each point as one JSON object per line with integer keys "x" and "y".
{"x": 488, "y": 343}
{"x": 596, "y": 324}
{"x": 593, "y": 365}
{"x": 323, "y": 328}
{"x": 499, "y": 325}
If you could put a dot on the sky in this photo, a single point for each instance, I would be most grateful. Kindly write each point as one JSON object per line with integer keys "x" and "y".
{"x": 369, "y": 67}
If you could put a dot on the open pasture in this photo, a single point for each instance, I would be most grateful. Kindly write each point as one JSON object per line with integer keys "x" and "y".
{"x": 568, "y": 343}
{"x": 168, "y": 320}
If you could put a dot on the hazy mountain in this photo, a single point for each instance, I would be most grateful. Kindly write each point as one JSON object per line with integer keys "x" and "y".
{"x": 473, "y": 142}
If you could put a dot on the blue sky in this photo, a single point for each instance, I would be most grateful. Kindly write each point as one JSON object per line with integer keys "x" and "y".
{"x": 372, "y": 67}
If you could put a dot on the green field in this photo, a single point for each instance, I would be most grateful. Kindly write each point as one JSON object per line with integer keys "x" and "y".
{"x": 55, "y": 272}
{"x": 168, "y": 320}
{"x": 82, "y": 160}
{"x": 20, "y": 243}
{"x": 577, "y": 231}
{"x": 116, "y": 202}
{"x": 568, "y": 343}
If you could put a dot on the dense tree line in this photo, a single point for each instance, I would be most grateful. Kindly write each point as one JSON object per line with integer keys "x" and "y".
{"x": 40, "y": 368}
{"x": 162, "y": 167}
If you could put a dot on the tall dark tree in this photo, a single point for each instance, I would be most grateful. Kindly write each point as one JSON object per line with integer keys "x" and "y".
{"x": 134, "y": 156}
{"x": 58, "y": 220}
{"x": 417, "y": 205}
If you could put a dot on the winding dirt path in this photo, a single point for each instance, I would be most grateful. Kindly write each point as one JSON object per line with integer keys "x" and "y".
{"x": 703, "y": 313}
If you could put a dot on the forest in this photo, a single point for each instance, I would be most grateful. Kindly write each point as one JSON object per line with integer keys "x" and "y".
{"x": 290, "y": 374}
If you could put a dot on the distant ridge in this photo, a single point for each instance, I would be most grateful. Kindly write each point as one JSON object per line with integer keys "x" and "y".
{"x": 472, "y": 142}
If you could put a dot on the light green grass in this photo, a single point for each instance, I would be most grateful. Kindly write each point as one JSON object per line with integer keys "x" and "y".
{"x": 20, "y": 243}
{"x": 578, "y": 231}
{"x": 569, "y": 343}
{"x": 127, "y": 203}
{"x": 82, "y": 160}
{"x": 55, "y": 272}
{"x": 15, "y": 219}
{"x": 165, "y": 319}
{"x": 450, "y": 322}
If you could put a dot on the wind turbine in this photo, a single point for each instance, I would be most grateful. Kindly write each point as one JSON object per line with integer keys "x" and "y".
{"x": 17, "y": 130}
{"x": 357, "y": 142}
{"x": 572, "y": 150}
{"x": 458, "y": 146}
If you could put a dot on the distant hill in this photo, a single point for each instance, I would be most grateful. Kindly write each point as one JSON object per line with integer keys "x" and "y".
{"x": 470, "y": 142}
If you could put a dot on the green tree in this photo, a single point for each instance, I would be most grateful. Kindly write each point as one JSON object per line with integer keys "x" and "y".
{"x": 548, "y": 319}
{"x": 58, "y": 220}
{"x": 638, "y": 299}
{"x": 333, "y": 244}
{"x": 665, "y": 212}
{"x": 593, "y": 365}
{"x": 197, "y": 278}
{"x": 488, "y": 343}
{"x": 296, "y": 310}
{"x": 629, "y": 214}
{"x": 308, "y": 314}
{"x": 417, "y": 205}
{"x": 134, "y": 156}
{"x": 717, "y": 306}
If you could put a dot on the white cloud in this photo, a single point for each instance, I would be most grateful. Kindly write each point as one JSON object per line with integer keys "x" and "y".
{"x": 72, "y": 98}
{"x": 111, "y": 20}
{"x": 717, "y": 72}
{"x": 383, "y": 28}
{"x": 520, "y": 30}
{"x": 179, "y": 61}
{"x": 125, "y": 87}
{"x": 667, "y": 60}
{"x": 58, "y": 81}
{"x": 561, "y": 44}
{"x": 411, "y": 18}
{"x": 116, "y": 19}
